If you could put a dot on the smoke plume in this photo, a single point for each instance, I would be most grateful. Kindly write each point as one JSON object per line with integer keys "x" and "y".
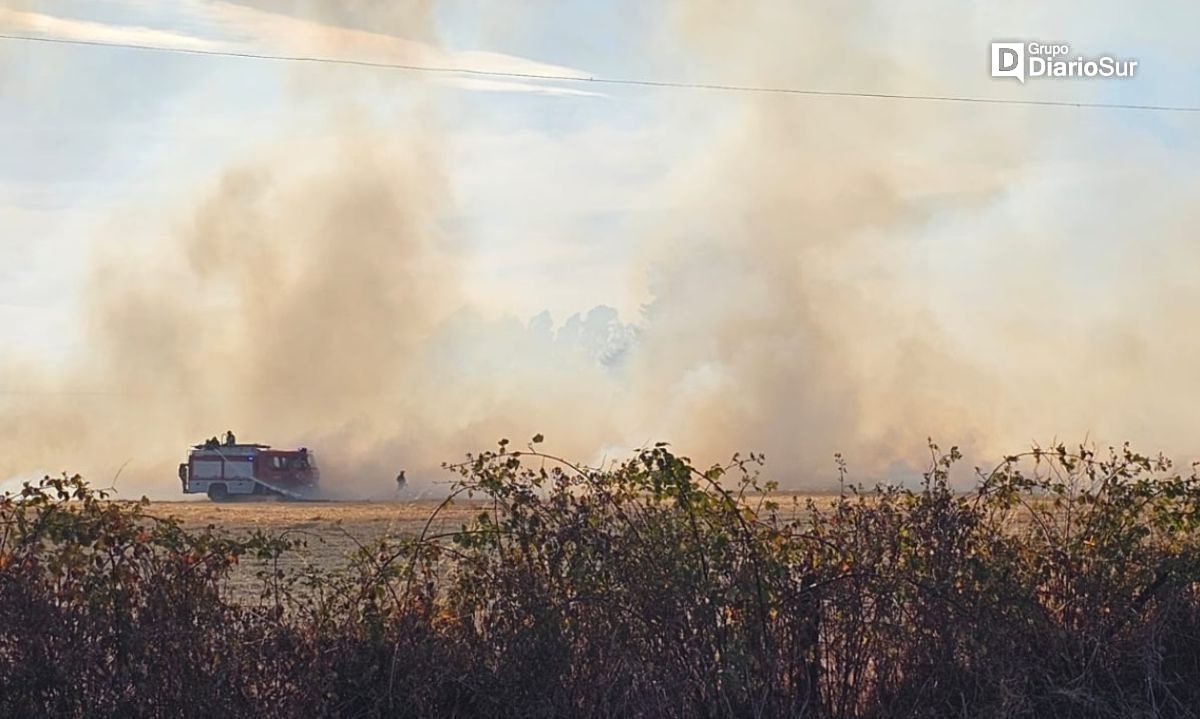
{"x": 837, "y": 274}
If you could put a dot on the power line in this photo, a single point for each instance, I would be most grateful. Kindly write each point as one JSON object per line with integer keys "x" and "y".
{"x": 631, "y": 82}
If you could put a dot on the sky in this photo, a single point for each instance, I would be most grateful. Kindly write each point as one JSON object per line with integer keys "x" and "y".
{"x": 398, "y": 267}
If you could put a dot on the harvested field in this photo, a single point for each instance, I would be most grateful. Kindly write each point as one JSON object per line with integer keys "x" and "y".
{"x": 366, "y": 517}
{"x": 330, "y": 530}
{"x": 362, "y": 520}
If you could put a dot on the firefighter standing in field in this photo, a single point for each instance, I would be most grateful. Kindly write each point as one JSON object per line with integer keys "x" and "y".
{"x": 400, "y": 481}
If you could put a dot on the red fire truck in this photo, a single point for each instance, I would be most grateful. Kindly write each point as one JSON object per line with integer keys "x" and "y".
{"x": 229, "y": 471}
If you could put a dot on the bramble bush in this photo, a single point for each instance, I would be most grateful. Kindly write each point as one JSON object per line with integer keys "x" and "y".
{"x": 1064, "y": 584}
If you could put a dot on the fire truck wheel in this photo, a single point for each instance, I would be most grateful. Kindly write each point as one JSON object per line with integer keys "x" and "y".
{"x": 218, "y": 493}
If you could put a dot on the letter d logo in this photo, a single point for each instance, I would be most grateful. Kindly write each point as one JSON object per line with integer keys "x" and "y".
{"x": 1008, "y": 60}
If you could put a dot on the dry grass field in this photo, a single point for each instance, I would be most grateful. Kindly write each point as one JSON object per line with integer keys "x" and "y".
{"x": 360, "y": 518}
{"x": 337, "y": 522}
{"x": 330, "y": 530}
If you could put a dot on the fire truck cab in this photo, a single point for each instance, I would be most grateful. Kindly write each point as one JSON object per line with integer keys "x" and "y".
{"x": 245, "y": 471}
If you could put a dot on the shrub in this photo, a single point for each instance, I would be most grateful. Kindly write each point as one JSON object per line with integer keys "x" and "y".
{"x": 1064, "y": 584}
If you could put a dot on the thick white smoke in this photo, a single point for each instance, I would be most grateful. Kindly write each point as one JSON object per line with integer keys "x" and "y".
{"x": 835, "y": 275}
